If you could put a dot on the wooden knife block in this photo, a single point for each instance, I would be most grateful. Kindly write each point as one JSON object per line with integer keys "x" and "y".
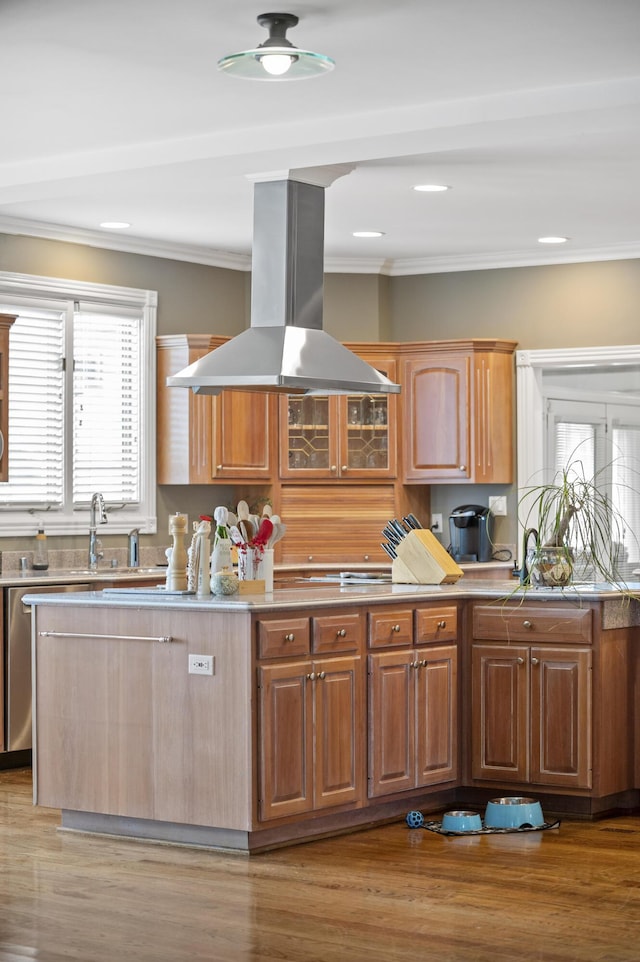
{"x": 422, "y": 560}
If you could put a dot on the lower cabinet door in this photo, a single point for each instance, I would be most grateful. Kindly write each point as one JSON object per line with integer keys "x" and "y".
{"x": 391, "y": 722}
{"x": 437, "y": 715}
{"x": 499, "y": 712}
{"x": 339, "y": 726}
{"x": 561, "y": 716}
{"x": 285, "y": 740}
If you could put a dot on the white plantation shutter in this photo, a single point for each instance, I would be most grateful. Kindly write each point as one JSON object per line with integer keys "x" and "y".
{"x": 106, "y": 407}
{"x": 36, "y": 410}
{"x": 81, "y": 405}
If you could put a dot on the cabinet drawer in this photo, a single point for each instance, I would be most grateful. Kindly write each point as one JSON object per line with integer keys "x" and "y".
{"x": 528, "y": 622}
{"x": 341, "y": 632}
{"x": 390, "y": 626}
{"x": 436, "y": 624}
{"x": 290, "y": 636}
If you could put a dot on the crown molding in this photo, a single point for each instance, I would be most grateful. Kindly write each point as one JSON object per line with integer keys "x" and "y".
{"x": 210, "y": 257}
{"x": 193, "y": 254}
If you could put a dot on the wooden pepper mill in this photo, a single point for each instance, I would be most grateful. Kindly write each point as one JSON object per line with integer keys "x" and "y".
{"x": 177, "y": 571}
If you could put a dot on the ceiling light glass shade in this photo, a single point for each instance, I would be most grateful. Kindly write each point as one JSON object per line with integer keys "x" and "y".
{"x": 552, "y": 240}
{"x": 276, "y": 58}
{"x": 431, "y": 188}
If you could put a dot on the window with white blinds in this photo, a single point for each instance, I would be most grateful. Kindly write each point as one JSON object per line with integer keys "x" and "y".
{"x": 81, "y": 406}
{"x": 605, "y": 439}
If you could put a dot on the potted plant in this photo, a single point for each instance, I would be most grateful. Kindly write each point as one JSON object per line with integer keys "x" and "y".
{"x": 572, "y": 529}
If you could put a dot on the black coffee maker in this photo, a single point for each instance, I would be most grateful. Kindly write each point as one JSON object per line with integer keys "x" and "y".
{"x": 471, "y": 533}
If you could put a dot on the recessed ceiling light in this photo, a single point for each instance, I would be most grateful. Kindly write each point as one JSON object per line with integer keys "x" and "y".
{"x": 553, "y": 240}
{"x": 115, "y": 224}
{"x": 368, "y": 233}
{"x": 431, "y": 188}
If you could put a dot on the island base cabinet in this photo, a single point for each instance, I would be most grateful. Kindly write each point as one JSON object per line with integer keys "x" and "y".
{"x": 311, "y": 717}
{"x": 412, "y": 719}
{"x": 531, "y": 715}
{"x": 123, "y": 728}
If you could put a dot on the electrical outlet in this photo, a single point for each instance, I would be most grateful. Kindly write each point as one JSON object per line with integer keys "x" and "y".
{"x": 436, "y": 523}
{"x": 498, "y": 505}
{"x": 201, "y": 664}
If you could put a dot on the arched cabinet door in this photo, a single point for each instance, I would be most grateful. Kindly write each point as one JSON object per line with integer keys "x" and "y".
{"x": 6, "y": 320}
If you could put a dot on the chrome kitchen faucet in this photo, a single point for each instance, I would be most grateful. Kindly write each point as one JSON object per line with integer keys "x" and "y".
{"x": 97, "y": 516}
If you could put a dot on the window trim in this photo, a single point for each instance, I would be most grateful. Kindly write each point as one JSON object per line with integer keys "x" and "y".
{"x": 144, "y": 517}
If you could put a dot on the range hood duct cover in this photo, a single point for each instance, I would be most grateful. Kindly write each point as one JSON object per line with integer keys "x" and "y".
{"x": 285, "y": 349}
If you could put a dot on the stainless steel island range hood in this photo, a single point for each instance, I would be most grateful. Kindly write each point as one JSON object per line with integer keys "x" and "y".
{"x": 285, "y": 349}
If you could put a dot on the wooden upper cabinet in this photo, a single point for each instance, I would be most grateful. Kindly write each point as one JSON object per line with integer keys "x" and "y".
{"x": 6, "y": 320}
{"x": 458, "y": 412}
{"x": 205, "y": 438}
{"x": 350, "y": 437}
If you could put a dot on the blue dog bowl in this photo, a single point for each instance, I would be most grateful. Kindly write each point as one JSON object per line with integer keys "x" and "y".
{"x": 461, "y": 822}
{"x": 513, "y": 812}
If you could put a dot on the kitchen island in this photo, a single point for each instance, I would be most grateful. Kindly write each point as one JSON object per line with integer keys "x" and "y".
{"x": 249, "y": 722}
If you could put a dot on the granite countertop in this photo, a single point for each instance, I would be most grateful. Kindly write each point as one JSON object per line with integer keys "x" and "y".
{"x": 328, "y": 594}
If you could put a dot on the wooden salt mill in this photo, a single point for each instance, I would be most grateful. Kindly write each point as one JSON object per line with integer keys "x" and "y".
{"x": 177, "y": 571}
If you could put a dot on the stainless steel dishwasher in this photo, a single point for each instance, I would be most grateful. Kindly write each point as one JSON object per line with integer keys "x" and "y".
{"x": 18, "y": 664}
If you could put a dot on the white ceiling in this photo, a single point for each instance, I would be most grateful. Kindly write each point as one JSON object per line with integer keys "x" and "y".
{"x": 528, "y": 109}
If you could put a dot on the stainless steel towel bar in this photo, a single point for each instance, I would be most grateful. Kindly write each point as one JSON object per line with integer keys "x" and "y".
{"x": 83, "y": 634}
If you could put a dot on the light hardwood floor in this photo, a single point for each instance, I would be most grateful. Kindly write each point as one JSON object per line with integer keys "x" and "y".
{"x": 390, "y": 894}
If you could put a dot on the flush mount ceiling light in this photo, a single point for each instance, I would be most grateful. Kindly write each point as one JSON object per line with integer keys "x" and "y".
{"x": 276, "y": 58}
{"x": 368, "y": 233}
{"x": 115, "y": 224}
{"x": 431, "y": 188}
{"x": 552, "y": 240}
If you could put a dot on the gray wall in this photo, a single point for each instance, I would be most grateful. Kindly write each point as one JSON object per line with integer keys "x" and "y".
{"x": 540, "y": 307}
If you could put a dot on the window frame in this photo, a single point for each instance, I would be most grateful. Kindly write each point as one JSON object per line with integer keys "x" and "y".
{"x": 70, "y": 521}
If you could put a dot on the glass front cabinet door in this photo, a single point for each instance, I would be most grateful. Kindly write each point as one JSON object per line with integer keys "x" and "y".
{"x": 339, "y": 436}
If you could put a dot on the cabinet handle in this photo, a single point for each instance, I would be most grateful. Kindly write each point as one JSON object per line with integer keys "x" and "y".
{"x": 415, "y": 664}
{"x": 290, "y": 637}
{"x": 535, "y": 661}
{"x": 311, "y": 676}
{"x": 310, "y": 558}
{"x": 334, "y": 467}
{"x": 366, "y": 557}
{"x": 442, "y": 624}
{"x": 321, "y": 674}
{"x": 527, "y": 624}
{"x": 462, "y": 467}
{"x": 343, "y": 467}
{"x": 163, "y": 639}
{"x": 218, "y": 467}
{"x": 424, "y": 663}
{"x": 520, "y": 661}
{"x": 341, "y": 633}
{"x": 395, "y": 627}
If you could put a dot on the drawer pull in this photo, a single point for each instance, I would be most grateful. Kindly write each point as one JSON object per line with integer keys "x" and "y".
{"x": 442, "y": 624}
{"x": 527, "y": 624}
{"x": 535, "y": 661}
{"x": 395, "y": 628}
{"x": 290, "y": 637}
{"x": 321, "y": 674}
{"x": 341, "y": 633}
{"x": 520, "y": 661}
{"x": 311, "y": 676}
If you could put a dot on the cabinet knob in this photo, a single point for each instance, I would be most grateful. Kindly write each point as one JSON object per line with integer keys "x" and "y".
{"x": 442, "y": 624}
{"x": 395, "y": 627}
{"x": 415, "y": 664}
{"x": 334, "y": 467}
{"x": 310, "y": 558}
{"x": 424, "y": 663}
{"x": 218, "y": 467}
{"x": 341, "y": 633}
{"x": 527, "y": 624}
{"x": 366, "y": 557}
{"x": 321, "y": 674}
{"x": 462, "y": 467}
{"x": 290, "y": 637}
{"x": 535, "y": 661}
{"x": 343, "y": 467}
{"x": 311, "y": 676}
{"x": 520, "y": 661}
